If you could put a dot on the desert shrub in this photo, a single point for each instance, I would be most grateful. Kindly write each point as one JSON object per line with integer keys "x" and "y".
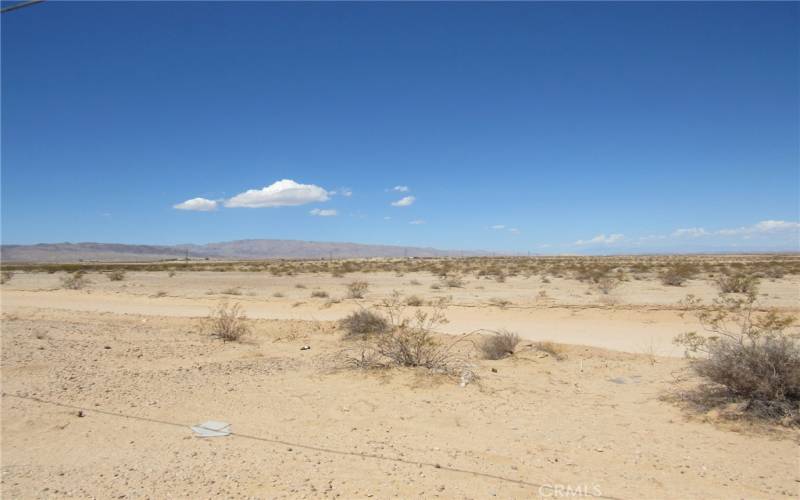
{"x": 357, "y": 289}
{"x": 6, "y": 276}
{"x": 171, "y": 274}
{"x": 363, "y": 323}
{"x": 552, "y": 349}
{"x": 754, "y": 356}
{"x": 503, "y": 343}
{"x": 414, "y": 282}
{"x": 451, "y": 281}
{"x": 229, "y": 322}
{"x": 737, "y": 283}
{"x": 232, "y": 291}
{"x": 116, "y": 275}
{"x": 678, "y": 274}
{"x": 300, "y": 285}
{"x": 410, "y": 341}
{"x": 414, "y": 301}
{"x": 319, "y": 294}
{"x": 607, "y": 283}
{"x": 74, "y": 281}
{"x": 278, "y": 295}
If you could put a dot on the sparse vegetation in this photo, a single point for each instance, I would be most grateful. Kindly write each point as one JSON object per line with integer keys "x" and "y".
{"x": 498, "y": 302}
{"x": 357, "y": 289}
{"x": 551, "y": 348}
{"x": 363, "y": 323}
{"x": 228, "y": 322}
{"x": 414, "y": 301}
{"x": 74, "y": 281}
{"x": 606, "y": 284}
{"x": 737, "y": 283}
{"x": 677, "y": 274}
{"x": 6, "y": 276}
{"x": 319, "y": 294}
{"x": 752, "y": 355}
{"x": 499, "y": 345}
{"x": 116, "y": 275}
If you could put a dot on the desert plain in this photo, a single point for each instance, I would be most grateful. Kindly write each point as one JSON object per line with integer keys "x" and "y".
{"x": 101, "y": 383}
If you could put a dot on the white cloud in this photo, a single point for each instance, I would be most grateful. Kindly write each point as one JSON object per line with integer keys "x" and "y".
{"x": 497, "y": 226}
{"x": 417, "y": 222}
{"x": 400, "y": 189}
{"x": 404, "y": 202}
{"x": 765, "y": 226}
{"x": 323, "y": 213}
{"x": 197, "y": 204}
{"x": 601, "y": 239}
{"x": 283, "y": 193}
{"x": 513, "y": 230}
{"x": 692, "y": 232}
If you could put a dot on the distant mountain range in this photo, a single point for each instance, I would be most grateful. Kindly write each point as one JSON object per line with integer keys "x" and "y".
{"x": 229, "y": 250}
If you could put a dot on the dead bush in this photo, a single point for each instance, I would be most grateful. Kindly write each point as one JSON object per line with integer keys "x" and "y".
{"x": 74, "y": 281}
{"x": 451, "y": 281}
{"x": 116, "y": 275}
{"x": 6, "y": 276}
{"x": 414, "y": 301}
{"x": 410, "y": 341}
{"x": 363, "y": 323}
{"x": 606, "y": 284}
{"x": 500, "y": 345}
{"x": 552, "y": 349}
{"x": 357, "y": 289}
{"x": 319, "y": 294}
{"x": 228, "y": 322}
{"x": 753, "y": 355}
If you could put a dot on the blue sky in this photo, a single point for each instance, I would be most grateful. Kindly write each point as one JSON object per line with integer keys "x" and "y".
{"x": 549, "y": 128}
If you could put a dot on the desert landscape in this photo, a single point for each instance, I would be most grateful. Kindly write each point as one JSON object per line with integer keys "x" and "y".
{"x": 534, "y": 377}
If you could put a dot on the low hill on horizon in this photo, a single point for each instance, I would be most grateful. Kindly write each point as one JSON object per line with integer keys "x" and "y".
{"x": 253, "y": 249}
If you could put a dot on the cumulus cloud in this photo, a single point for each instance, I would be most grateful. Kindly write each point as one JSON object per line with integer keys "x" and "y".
{"x": 197, "y": 205}
{"x": 323, "y": 213}
{"x": 417, "y": 222}
{"x": 283, "y": 193}
{"x": 404, "y": 202}
{"x": 601, "y": 239}
{"x": 400, "y": 189}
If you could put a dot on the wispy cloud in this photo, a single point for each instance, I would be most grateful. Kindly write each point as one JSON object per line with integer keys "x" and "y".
{"x": 197, "y": 205}
{"x": 400, "y": 189}
{"x": 601, "y": 239}
{"x": 323, "y": 213}
{"x": 692, "y": 232}
{"x": 763, "y": 227}
{"x": 497, "y": 226}
{"x": 404, "y": 202}
{"x": 283, "y": 193}
{"x": 417, "y": 222}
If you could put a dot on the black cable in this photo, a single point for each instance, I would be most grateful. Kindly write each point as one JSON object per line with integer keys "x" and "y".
{"x": 19, "y": 6}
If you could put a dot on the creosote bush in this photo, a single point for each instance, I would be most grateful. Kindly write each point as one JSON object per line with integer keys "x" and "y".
{"x": 363, "y": 323}
{"x": 753, "y": 355}
{"x": 116, "y": 275}
{"x": 414, "y": 301}
{"x": 678, "y": 274}
{"x": 500, "y": 345}
{"x": 319, "y": 294}
{"x": 74, "y": 281}
{"x": 229, "y": 322}
{"x": 737, "y": 283}
{"x": 6, "y": 276}
{"x": 357, "y": 289}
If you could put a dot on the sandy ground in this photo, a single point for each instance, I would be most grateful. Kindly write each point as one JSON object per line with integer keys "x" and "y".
{"x": 639, "y": 316}
{"x": 142, "y": 368}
